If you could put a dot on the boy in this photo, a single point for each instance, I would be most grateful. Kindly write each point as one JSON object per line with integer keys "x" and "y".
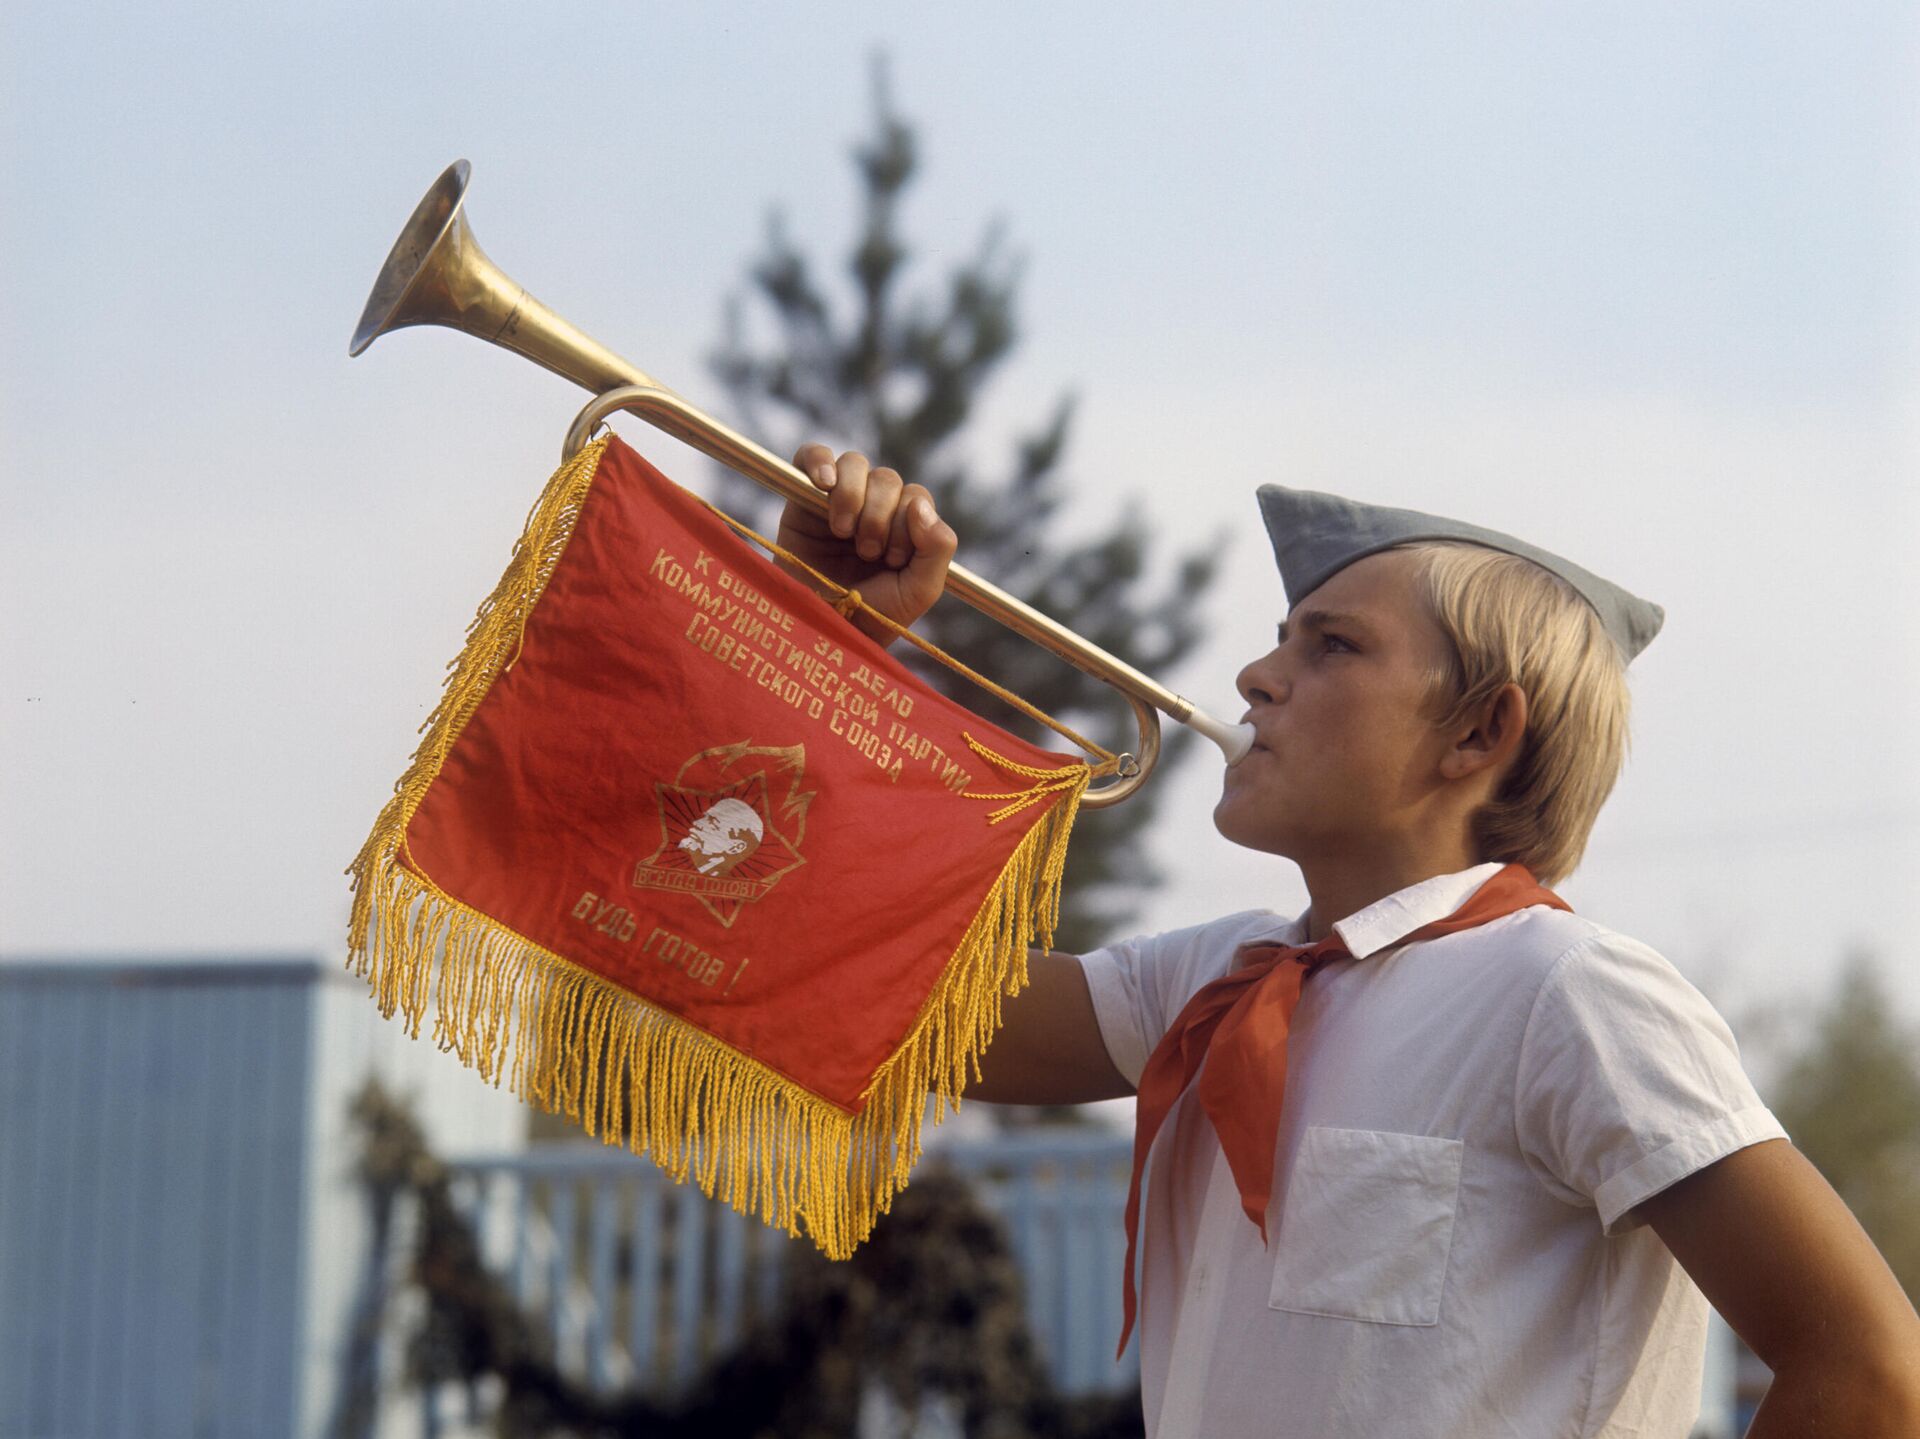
{"x": 1506, "y": 1129}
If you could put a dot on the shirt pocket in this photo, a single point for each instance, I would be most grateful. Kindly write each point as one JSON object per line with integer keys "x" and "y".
{"x": 1368, "y": 1225}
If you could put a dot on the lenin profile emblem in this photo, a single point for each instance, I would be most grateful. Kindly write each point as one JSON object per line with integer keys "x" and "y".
{"x": 731, "y": 825}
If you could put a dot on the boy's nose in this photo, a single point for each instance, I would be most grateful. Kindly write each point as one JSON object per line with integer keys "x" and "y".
{"x": 1261, "y": 681}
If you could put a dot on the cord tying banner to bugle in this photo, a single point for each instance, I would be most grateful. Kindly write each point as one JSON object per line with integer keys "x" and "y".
{"x": 685, "y": 856}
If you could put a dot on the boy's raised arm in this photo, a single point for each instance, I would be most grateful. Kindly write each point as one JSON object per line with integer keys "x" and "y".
{"x": 1049, "y": 1049}
{"x": 1782, "y": 1258}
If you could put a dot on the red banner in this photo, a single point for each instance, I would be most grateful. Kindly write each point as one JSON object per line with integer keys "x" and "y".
{"x": 738, "y": 883}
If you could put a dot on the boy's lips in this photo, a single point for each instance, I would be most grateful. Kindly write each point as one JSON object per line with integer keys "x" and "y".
{"x": 1259, "y": 747}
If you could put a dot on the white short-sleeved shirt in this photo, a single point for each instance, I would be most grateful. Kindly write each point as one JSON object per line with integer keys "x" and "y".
{"x": 1469, "y": 1121}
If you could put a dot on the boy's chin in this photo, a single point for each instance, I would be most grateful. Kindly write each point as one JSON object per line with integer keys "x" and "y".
{"x": 1250, "y": 832}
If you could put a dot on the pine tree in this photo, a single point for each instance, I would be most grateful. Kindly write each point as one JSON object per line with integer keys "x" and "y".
{"x": 898, "y": 377}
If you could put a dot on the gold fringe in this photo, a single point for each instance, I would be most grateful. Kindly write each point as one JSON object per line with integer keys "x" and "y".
{"x": 630, "y": 1072}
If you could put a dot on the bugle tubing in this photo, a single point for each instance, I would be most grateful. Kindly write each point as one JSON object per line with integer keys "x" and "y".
{"x": 437, "y": 274}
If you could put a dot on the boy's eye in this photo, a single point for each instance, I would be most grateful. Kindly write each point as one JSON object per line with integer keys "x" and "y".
{"x": 1326, "y": 638}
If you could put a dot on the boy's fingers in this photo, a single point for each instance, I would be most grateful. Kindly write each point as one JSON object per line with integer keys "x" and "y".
{"x": 849, "y": 494}
{"x": 913, "y": 516}
{"x": 899, "y": 535}
{"x": 815, "y": 461}
{"x": 934, "y": 544}
{"x": 884, "y": 520}
{"x": 876, "y": 513}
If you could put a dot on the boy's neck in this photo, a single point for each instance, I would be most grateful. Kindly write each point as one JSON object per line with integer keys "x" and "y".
{"x": 1337, "y": 891}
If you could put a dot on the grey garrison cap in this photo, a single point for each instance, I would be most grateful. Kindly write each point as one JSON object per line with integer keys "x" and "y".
{"x": 1316, "y": 535}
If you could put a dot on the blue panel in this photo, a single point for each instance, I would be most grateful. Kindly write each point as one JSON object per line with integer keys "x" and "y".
{"x": 98, "y": 1254}
{"x": 73, "y": 1177}
{"x": 148, "y": 1223}
{"x": 181, "y": 1204}
{"x": 13, "y": 1181}
{"x": 152, "y": 1210}
{"x": 20, "y": 1166}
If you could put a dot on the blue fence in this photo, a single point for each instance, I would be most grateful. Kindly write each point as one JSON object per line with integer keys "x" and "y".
{"x": 642, "y": 1281}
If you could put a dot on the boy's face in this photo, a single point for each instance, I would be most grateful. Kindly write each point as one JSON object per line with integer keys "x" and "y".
{"x": 1343, "y": 765}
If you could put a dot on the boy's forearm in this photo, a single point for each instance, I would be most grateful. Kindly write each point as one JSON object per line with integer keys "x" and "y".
{"x": 1844, "y": 1395}
{"x": 1049, "y": 1049}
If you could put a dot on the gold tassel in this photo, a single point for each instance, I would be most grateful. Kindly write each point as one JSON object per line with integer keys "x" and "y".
{"x": 632, "y": 1073}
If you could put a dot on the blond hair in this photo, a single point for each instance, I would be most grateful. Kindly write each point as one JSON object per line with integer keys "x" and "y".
{"x": 1510, "y": 620}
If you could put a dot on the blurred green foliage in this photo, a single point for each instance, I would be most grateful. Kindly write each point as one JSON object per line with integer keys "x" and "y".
{"x": 1850, "y": 1099}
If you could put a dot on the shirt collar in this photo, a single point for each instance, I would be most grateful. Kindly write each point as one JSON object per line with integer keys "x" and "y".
{"x": 1387, "y": 921}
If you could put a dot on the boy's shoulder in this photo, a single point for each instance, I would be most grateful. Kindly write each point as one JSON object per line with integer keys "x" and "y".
{"x": 1575, "y": 963}
{"x": 1541, "y": 938}
{"x": 1221, "y": 935}
{"x": 1183, "y": 959}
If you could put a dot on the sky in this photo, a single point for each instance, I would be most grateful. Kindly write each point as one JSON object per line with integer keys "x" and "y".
{"x": 1635, "y": 282}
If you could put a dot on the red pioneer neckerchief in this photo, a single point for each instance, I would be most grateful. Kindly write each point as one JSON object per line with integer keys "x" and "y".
{"x": 715, "y": 873}
{"x": 1238, "y": 1024}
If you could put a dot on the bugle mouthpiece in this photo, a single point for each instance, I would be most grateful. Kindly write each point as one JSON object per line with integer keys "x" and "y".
{"x": 1234, "y": 739}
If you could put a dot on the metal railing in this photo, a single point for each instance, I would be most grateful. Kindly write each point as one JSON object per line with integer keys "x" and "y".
{"x": 638, "y": 1280}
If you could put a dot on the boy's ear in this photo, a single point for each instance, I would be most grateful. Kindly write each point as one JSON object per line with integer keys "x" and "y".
{"x": 1494, "y": 736}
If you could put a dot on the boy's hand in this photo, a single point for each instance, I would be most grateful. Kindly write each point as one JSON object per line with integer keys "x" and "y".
{"x": 880, "y": 536}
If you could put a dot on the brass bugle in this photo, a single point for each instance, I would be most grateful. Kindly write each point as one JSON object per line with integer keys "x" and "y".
{"x": 436, "y": 274}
